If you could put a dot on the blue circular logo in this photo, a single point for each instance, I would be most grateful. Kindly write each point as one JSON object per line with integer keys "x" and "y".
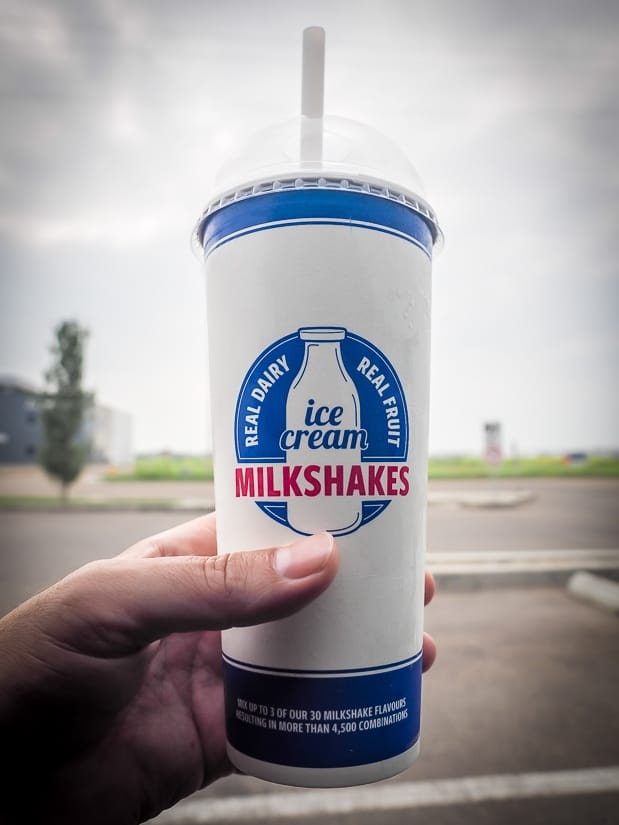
{"x": 321, "y": 432}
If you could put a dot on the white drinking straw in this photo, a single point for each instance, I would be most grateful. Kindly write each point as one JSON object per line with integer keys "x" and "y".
{"x": 312, "y": 95}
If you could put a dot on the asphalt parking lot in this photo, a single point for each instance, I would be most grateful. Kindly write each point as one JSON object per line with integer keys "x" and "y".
{"x": 525, "y": 683}
{"x": 520, "y": 715}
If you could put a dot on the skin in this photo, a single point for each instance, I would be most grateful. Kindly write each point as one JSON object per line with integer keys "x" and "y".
{"x": 111, "y": 695}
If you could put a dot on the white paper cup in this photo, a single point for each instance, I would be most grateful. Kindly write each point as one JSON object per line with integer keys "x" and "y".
{"x": 318, "y": 294}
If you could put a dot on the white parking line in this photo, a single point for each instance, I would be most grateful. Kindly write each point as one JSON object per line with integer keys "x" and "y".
{"x": 392, "y": 796}
{"x": 520, "y": 561}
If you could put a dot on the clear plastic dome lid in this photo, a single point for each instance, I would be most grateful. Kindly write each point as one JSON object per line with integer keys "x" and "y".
{"x": 352, "y": 155}
{"x": 349, "y": 149}
{"x": 314, "y": 150}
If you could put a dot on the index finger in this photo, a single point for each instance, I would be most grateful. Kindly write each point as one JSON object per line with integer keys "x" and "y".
{"x": 430, "y": 588}
{"x": 192, "y": 538}
{"x": 198, "y": 537}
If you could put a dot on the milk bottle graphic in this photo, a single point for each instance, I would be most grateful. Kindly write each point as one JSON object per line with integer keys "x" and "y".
{"x": 323, "y": 428}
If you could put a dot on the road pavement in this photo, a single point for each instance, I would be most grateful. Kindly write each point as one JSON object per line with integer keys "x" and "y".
{"x": 37, "y": 548}
{"x": 536, "y": 513}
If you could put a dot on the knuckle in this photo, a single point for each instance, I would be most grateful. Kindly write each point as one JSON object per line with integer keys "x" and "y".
{"x": 153, "y": 547}
{"x": 225, "y": 574}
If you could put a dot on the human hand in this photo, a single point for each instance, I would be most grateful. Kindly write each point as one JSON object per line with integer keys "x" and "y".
{"x": 111, "y": 694}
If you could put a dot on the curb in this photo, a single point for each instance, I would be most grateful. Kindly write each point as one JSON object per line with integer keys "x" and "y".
{"x": 110, "y": 506}
{"x": 474, "y": 499}
{"x": 486, "y": 499}
{"x": 472, "y": 570}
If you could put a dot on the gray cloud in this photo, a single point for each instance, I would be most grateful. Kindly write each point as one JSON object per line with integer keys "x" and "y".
{"x": 116, "y": 114}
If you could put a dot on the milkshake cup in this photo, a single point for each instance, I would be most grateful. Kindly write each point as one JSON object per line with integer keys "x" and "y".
{"x": 317, "y": 249}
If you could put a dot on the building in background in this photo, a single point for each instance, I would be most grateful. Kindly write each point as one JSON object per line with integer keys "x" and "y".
{"x": 109, "y": 431}
{"x": 110, "y": 434}
{"x": 20, "y": 422}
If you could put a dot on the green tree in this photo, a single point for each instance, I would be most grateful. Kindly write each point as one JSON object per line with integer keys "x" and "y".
{"x": 63, "y": 403}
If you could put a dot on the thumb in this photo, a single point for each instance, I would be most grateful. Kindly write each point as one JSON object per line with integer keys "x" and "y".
{"x": 122, "y": 604}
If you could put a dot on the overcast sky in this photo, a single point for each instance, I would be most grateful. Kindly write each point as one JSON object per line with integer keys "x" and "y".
{"x": 116, "y": 114}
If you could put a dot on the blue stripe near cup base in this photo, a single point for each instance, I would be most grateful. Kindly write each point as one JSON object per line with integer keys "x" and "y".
{"x": 314, "y": 721}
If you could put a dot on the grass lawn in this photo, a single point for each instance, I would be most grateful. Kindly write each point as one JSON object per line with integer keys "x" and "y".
{"x": 168, "y": 468}
{"x": 536, "y": 467}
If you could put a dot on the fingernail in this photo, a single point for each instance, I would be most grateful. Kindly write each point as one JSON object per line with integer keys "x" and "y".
{"x": 303, "y": 557}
